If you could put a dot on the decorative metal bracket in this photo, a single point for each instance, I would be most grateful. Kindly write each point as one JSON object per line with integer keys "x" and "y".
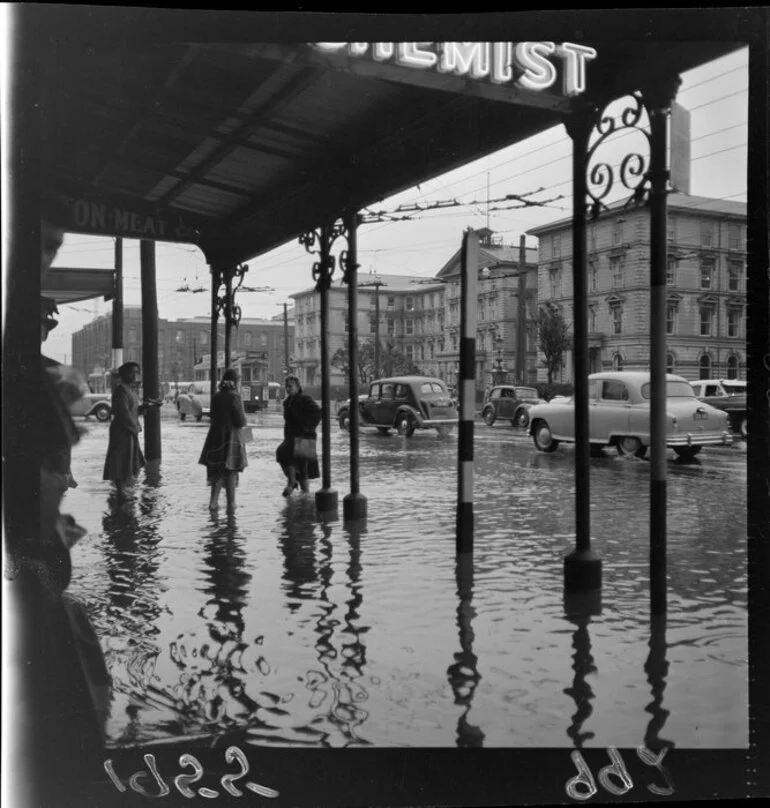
{"x": 319, "y": 242}
{"x": 633, "y": 171}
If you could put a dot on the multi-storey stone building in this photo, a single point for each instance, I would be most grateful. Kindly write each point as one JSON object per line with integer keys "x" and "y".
{"x": 180, "y": 343}
{"x": 421, "y": 317}
{"x": 706, "y": 300}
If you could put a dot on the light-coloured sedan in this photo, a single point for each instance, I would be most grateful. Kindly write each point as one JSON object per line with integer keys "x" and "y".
{"x": 195, "y": 401}
{"x": 619, "y": 415}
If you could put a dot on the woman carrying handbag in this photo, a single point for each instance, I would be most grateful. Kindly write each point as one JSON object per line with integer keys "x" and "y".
{"x": 224, "y": 451}
{"x": 297, "y": 454}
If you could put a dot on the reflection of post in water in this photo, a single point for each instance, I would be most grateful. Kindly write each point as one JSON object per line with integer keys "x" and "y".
{"x": 354, "y": 652}
{"x": 579, "y": 607}
{"x": 656, "y": 669}
{"x": 297, "y": 544}
{"x": 463, "y": 674}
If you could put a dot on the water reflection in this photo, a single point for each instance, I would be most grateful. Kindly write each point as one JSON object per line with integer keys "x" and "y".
{"x": 463, "y": 673}
{"x": 582, "y": 665}
{"x": 656, "y": 668}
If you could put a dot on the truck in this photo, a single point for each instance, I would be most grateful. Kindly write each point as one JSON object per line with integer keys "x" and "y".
{"x": 728, "y": 395}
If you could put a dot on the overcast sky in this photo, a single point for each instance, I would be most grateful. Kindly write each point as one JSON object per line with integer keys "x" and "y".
{"x": 716, "y": 95}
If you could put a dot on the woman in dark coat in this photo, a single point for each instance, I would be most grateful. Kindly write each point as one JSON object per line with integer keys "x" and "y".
{"x": 224, "y": 452}
{"x": 124, "y": 455}
{"x": 301, "y": 415}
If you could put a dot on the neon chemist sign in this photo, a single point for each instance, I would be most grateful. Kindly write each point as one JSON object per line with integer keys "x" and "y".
{"x": 527, "y": 65}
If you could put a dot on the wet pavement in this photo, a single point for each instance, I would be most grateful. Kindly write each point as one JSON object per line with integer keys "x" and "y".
{"x": 298, "y": 632}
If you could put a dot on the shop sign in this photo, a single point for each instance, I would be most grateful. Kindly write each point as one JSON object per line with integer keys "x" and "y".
{"x": 527, "y": 65}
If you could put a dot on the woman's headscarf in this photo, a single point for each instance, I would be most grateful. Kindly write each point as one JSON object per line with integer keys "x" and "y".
{"x": 229, "y": 380}
{"x": 125, "y": 369}
{"x": 295, "y": 380}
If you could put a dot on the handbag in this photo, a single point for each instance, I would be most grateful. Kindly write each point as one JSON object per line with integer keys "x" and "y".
{"x": 246, "y": 434}
{"x": 304, "y": 449}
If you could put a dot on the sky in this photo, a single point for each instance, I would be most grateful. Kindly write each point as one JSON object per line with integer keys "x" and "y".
{"x": 716, "y": 95}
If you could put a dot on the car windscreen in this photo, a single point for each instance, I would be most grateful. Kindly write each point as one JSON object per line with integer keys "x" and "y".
{"x": 432, "y": 387}
{"x": 674, "y": 389}
{"x": 527, "y": 392}
{"x": 734, "y": 388}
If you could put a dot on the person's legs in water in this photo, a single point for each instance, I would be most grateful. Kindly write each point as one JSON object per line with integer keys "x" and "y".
{"x": 230, "y": 481}
{"x": 216, "y": 487}
{"x": 304, "y": 483}
{"x": 291, "y": 477}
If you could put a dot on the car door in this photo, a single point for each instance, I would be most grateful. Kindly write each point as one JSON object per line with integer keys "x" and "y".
{"x": 384, "y": 408}
{"x": 506, "y": 403}
{"x": 609, "y": 413}
{"x": 368, "y": 407}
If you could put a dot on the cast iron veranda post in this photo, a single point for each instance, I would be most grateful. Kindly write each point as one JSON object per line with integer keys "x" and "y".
{"x": 117, "y": 307}
{"x": 466, "y": 384}
{"x": 325, "y": 497}
{"x": 216, "y": 280}
{"x": 150, "y": 349}
{"x": 521, "y": 315}
{"x": 582, "y": 567}
{"x": 658, "y": 99}
{"x": 354, "y": 505}
{"x": 286, "y": 337}
{"x": 377, "y": 329}
{"x": 228, "y": 278}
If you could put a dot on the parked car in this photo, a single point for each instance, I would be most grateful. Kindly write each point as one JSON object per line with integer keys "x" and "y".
{"x": 619, "y": 415}
{"x": 404, "y": 403}
{"x": 511, "y": 402}
{"x": 728, "y": 395}
{"x": 195, "y": 401}
{"x": 96, "y": 404}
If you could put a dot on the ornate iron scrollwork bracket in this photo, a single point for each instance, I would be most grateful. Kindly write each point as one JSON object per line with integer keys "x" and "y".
{"x": 235, "y": 310}
{"x": 320, "y": 242}
{"x": 633, "y": 172}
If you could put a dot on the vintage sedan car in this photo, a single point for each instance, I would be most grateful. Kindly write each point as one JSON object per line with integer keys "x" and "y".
{"x": 97, "y": 404}
{"x": 728, "y": 395}
{"x": 510, "y": 402}
{"x": 404, "y": 403}
{"x": 619, "y": 415}
{"x": 195, "y": 400}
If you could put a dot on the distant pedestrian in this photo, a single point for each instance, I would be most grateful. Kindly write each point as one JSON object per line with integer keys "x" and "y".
{"x": 301, "y": 415}
{"x": 124, "y": 455}
{"x": 224, "y": 451}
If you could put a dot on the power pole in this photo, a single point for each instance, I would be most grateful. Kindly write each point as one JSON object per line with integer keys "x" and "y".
{"x": 286, "y": 337}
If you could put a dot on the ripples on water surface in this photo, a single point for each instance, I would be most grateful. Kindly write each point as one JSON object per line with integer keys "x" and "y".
{"x": 295, "y": 632}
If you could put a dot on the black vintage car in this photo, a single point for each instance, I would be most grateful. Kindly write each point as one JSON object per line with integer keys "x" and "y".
{"x": 404, "y": 403}
{"x": 510, "y": 402}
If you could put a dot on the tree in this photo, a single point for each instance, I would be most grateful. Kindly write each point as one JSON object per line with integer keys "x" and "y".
{"x": 554, "y": 338}
{"x": 392, "y": 361}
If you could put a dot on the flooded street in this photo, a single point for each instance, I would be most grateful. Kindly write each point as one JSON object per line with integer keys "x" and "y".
{"x": 298, "y": 633}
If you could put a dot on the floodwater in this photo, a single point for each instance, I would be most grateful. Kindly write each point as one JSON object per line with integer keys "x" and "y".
{"x": 297, "y": 632}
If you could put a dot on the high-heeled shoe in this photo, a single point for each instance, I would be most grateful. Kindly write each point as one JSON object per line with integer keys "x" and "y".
{"x": 287, "y": 491}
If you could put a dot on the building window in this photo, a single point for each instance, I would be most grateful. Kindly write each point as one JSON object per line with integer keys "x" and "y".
{"x": 409, "y": 325}
{"x": 617, "y": 362}
{"x": 204, "y": 338}
{"x": 617, "y": 319}
{"x": 592, "y": 319}
{"x": 247, "y": 339}
{"x": 671, "y": 229}
{"x": 132, "y": 335}
{"x": 734, "y": 273}
{"x": 391, "y": 326}
{"x": 592, "y": 237}
{"x": 409, "y": 303}
{"x": 263, "y": 339}
{"x": 734, "y": 241}
{"x": 617, "y": 232}
{"x": 180, "y": 337}
{"x": 671, "y": 270}
{"x": 557, "y": 245}
{"x": 593, "y": 274}
{"x": 704, "y": 367}
{"x": 670, "y": 363}
{"x": 706, "y": 319}
{"x": 409, "y": 352}
{"x": 616, "y": 270}
{"x": 347, "y": 324}
{"x": 671, "y": 311}
{"x": 391, "y": 301}
{"x": 733, "y": 367}
{"x": 734, "y": 322}
{"x": 706, "y": 272}
{"x": 554, "y": 277}
{"x": 707, "y": 233}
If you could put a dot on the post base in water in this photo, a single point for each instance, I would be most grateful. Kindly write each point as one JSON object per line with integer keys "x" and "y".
{"x": 354, "y": 506}
{"x": 326, "y": 499}
{"x": 582, "y": 571}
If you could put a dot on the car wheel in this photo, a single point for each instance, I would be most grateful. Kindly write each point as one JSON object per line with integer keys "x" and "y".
{"x": 405, "y": 424}
{"x": 541, "y": 434}
{"x": 385, "y": 430}
{"x": 102, "y": 412}
{"x": 521, "y": 418}
{"x": 687, "y": 452}
{"x": 182, "y": 415}
{"x": 343, "y": 418}
{"x": 629, "y": 446}
{"x": 743, "y": 426}
{"x": 444, "y": 431}
{"x": 199, "y": 417}
{"x": 489, "y": 416}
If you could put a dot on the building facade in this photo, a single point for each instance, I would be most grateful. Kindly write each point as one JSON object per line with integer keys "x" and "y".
{"x": 181, "y": 343}
{"x": 420, "y": 318}
{"x": 706, "y": 287}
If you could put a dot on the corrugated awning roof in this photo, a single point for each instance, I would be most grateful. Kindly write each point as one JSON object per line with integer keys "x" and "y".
{"x": 159, "y": 132}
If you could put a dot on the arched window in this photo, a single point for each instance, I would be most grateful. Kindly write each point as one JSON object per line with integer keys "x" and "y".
{"x": 670, "y": 363}
{"x": 204, "y": 338}
{"x": 704, "y": 367}
{"x": 733, "y": 367}
{"x": 617, "y": 362}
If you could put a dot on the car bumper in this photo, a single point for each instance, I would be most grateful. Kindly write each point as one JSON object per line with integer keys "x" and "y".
{"x": 700, "y": 439}
{"x": 425, "y": 423}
